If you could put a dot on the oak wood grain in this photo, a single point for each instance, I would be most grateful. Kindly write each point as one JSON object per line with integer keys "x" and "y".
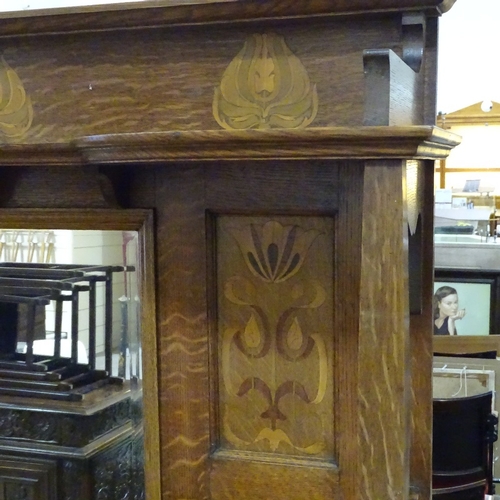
{"x": 334, "y": 142}
{"x": 187, "y": 400}
{"x": 175, "y": 12}
{"x": 150, "y": 148}
{"x": 421, "y": 346}
{"x": 384, "y": 356}
{"x": 54, "y": 187}
{"x": 122, "y": 116}
{"x": 164, "y": 79}
{"x": 347, "y": 298}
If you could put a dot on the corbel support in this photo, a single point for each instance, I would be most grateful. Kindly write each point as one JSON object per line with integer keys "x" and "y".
{"x": 413, "y": 33}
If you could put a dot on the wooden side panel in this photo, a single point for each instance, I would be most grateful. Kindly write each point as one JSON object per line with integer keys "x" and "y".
{"x": 384, "y": 374}
{"x": 183, "y": 341}
{"x": 238, "y": 481}
{"x": 421, "y": 338}
{"x": 347, "y": 299}
{"x": 199, "y": 459}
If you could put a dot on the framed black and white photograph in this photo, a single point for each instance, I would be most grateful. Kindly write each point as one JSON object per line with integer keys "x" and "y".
{"x": 465, "y": 302}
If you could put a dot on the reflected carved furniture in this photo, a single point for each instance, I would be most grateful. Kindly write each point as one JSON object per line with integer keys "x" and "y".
{"x": 53, "y": 450}
{"x": 67, "y": 430}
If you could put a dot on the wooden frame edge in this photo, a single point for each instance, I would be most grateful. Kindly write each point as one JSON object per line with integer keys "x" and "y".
{"x": 142, "y": 221}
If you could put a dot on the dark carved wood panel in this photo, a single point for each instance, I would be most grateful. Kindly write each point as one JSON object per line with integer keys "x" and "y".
{"x": 74, "y": 480}
{"x": 118, "y": 473}
{"x": 63, "y": 429}
{"x": 27, "y": 479}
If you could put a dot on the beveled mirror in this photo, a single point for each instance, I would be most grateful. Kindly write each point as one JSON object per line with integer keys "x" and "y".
{"x": 78, "y": 395}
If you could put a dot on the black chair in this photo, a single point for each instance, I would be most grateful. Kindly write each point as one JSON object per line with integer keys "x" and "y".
{"x": 464, "y": 430}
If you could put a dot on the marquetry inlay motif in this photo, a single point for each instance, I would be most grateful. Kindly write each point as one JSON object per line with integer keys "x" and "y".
{"x": 265, "y": 86}
{"x": 16, "y": 111}
{"x": 275, "y": 318}
{"x": 414, "y": 193}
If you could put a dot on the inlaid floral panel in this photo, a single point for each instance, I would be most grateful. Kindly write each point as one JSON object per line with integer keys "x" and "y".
{"x": 275, "y": 330}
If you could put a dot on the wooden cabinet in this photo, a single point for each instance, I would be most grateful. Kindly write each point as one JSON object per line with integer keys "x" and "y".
{"x": 289, "y": 165}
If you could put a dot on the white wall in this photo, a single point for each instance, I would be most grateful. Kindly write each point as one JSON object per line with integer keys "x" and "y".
{"x": 468, "y": 73}
{"x": 468, "y": 69}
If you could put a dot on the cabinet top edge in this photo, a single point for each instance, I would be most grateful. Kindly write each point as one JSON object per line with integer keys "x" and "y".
{"x": 163, "y": 13}
{"x": 374, "y": 142}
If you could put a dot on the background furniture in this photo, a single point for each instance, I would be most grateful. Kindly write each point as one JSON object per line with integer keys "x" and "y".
{"x": 63, "y": 420}
{"x": 467, "y": 376}
{"x": 464, "y": 430}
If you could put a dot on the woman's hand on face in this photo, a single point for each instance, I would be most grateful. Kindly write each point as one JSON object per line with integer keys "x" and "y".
{"x": 458, "y": 315}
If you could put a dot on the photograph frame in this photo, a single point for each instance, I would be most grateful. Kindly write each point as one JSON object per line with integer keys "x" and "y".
{"x": 466, "y": 281}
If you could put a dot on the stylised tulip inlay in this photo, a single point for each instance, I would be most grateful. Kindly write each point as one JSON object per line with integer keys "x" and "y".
{"x": 274, "y": 252}
{"x": 275, "y": 349}
{"x": 265, "y": 86}
{"x": 16, "y": 111}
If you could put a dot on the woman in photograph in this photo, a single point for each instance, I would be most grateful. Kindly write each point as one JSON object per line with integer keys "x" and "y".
{"x": 446, "y": 311}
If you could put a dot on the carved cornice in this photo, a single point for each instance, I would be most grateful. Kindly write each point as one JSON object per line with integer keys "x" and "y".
{"x": 417, "y": 142}
{"x": 423, "y": 142}
{"x": 154, "y": 13}
{"x": 61, "y": 429}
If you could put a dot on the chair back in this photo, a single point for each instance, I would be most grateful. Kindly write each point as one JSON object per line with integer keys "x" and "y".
{"x": 463, "y": 435}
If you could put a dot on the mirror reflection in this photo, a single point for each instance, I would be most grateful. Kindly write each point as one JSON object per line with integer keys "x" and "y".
{"x": 70, "y": 362}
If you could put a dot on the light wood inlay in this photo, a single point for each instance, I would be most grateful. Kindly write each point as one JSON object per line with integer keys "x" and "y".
{"x": 16, "y": 111}
{"x": 275, "y": 310}
{"x": 265, "y": 86}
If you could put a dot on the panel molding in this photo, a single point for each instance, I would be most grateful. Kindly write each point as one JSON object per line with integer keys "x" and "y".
{"x": 371, "y": 142}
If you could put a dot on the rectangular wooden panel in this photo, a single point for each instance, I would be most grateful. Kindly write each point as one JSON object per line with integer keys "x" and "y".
{"x": 275, "y": 310}
{"x": 384, "y": 355}
{"x": 275, "y": 335}
{"x": 27, "y": 479}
